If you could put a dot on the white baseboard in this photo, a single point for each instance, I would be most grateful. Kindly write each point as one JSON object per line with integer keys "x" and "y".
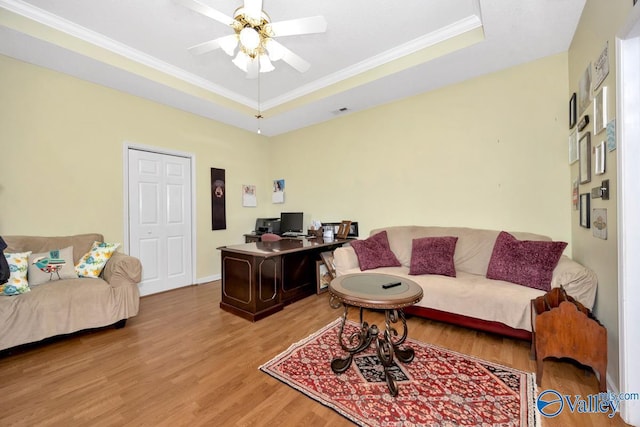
{"x": 208, "y": 279}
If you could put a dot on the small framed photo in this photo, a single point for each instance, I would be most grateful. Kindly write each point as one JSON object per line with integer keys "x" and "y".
{"x": 343, "y": 230}
{"x": 584, "y": 156}
{"x": 573, "y": 147}
{"x": 600, "y": 111}
{"x": 599, "y": 223}
{"x": 323, "y": 277}
{"x": 585, "y": 220}
{"x": 573, "y": 110}
{"x": 599, "y": 167}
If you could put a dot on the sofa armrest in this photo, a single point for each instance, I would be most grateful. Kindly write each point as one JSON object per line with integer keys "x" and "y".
{"x": 579, "y": 281}
{"x": 122, "y": 270}
{"x": 345, "y": 259}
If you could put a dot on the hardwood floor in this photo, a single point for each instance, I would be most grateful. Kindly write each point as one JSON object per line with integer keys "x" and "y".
{"x": 183, "y": 361}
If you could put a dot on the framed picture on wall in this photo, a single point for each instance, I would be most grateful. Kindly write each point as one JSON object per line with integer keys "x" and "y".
{"x": 600, "y": 165}
{"x": 584, "y": 211}
{"x": 600, "y": 111}
{"x": 573, "y": 110}
{"x": 573, "y": 147}
{"x": 584, "y": 156}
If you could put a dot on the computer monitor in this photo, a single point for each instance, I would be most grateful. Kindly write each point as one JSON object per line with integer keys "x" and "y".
{"x": 291, "y": 222}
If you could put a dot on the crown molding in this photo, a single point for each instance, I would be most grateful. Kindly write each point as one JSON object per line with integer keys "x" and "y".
{"x": 96, "y": 39}
{"x": 457, "y": 28}
{"x": 58, "y": 23}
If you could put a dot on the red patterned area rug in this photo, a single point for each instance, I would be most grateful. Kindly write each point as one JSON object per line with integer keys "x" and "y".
{"x": 438, "y": 388}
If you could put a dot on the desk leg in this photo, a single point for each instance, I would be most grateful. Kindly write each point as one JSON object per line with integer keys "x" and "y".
{"x": 356, "y": 342}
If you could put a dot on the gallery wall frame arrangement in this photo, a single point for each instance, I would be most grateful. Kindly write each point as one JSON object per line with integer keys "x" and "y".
{"x": 584, "y": 156}
{"x": 585, "y": 219}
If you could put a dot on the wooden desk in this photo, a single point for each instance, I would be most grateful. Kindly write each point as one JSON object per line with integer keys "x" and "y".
{"x": 260, "y": 278}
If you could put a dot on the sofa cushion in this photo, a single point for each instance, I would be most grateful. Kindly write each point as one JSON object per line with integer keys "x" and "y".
{"x": 374, "y": 252}
{"x": 92, "y": 263}
{"x": 52, "y": 265}
{"x": 433, "y": 255}
{"x": 81, "y": 243}
{"x": 18, "y": 266}
{"x": 525, "y": 262}
{"x": 473, "y": 250}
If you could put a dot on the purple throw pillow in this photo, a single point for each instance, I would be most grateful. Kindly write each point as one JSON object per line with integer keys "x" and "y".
{"x": 433, "y": 255}
{"x": 375, "y": 252}
{"x": 525, "y": 262}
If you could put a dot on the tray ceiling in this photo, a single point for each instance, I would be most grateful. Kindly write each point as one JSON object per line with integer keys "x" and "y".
{"x": 372, "y": 53}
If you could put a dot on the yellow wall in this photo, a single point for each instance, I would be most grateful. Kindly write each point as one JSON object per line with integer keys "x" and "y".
{"x": 600, "y": 22}
{"x": 489, "y": 152}
{"x": 61, "y": 145}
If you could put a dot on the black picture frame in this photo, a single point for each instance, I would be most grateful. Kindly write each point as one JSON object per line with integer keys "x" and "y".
{"x": 353, "y": 228}
{"x": 585, "y": 214}
{"x": 573, "y": 110}
{"x": 218, "y": 200}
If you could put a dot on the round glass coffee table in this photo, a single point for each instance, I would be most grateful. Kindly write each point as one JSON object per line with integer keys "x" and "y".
{"x": 377, "y": 291}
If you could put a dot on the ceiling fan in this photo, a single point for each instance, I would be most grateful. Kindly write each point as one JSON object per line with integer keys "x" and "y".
{"x": 253, "y": 41}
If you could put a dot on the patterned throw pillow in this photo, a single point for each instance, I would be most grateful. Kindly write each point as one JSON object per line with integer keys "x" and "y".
{"x": 375, "y": 252}
{"x": 18, "y": 265}
{"x": 92, "y": 263}
{"x": 52, "y": 265}
{"x": 433, "y": 255}
{"x": 525, "y": 262}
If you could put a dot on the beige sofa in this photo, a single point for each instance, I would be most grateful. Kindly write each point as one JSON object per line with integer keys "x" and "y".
{"x": 471, "y": 299}
{"x": 69, "y": 305}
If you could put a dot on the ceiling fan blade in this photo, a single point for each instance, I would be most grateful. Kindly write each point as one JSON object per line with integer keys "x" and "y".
{"x": 205, "y": 10}
{"x": 291, "y": 58}
{"x": 253, "y": 67}
{"x": 310, "y": 25}
{"x": 253, "y": 9}
{"x": 227, "y": 43}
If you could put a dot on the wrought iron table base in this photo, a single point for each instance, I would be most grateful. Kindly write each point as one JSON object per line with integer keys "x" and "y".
{"x": 387, "y": 347}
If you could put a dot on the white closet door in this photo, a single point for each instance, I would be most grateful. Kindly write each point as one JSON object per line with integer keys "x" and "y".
{"x": 160, "y": 219}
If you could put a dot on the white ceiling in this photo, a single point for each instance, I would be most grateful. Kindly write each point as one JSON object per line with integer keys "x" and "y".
{"x": 372, "y": 53}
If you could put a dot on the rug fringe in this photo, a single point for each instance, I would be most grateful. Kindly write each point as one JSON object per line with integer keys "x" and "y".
{"x": 534, "y": 415}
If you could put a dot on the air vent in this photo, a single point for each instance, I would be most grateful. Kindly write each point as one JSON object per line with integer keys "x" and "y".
{"x": 340, "y": 111}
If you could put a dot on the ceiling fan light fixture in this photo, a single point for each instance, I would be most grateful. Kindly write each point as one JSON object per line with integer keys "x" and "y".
{"x": 265, "y": 64}
{"x": 249, "y": 38}
{"x": 229, "y": 44}
{"x": 241, "y": 60}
